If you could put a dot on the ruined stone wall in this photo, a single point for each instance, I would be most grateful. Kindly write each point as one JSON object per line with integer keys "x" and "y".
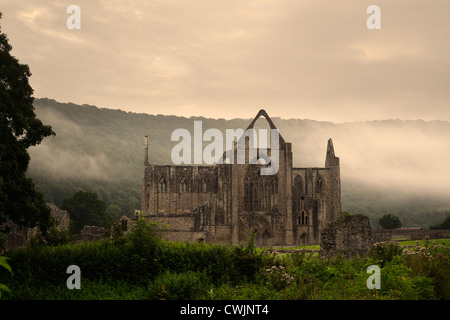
{"x": 16, "y": 237}
{"x": 61, "y": 216}
{"x": 349, "y": 235}
{"x": 192, "y": 236}
{"x": 430, "y": 234}
{"x": 315, "y": 202}
{"x": 177, "y": 189}
{"x": 388, "y": 234}
{"x": 90, "y": 233}
{"x": 19, "y": 236}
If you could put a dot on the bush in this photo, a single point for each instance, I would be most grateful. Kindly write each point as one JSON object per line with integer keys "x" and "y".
{"x": 145, "y": 236}
{"x": 189, "y": 285}
{"x": 157, "y": 269}
{"x": 385, "y": 251}
{"x": 277, "y": 278}
{"x": 90, "y": 290}
{"x": 53, "y": 237}
{"x": 431, "y": 261}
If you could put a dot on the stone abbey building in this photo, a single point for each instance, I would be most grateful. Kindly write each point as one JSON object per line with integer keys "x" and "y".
{"x": 221, "y": 203}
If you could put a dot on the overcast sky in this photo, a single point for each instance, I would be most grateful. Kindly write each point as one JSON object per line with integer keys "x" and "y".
{"x": 313, "y": 59}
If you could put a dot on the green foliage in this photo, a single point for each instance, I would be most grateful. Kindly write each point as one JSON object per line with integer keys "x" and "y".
{"x": 19, "y": 130}
{"x": 169, "y": 285}
{"x": 385, "y": 251}
{"x": 86, "y": 209}
{"x": 53, "y": 237}
{"x": 389, "y": 221}
{"x": 4, "y": 264}
{"x": 431, "y": 261}
{"x": 127, "y": 269}
{"x": 444, "y": 225}
{"x": 277, "y": 278}
{"x": 145, "y": 235}
{"x": 251, "y": 236}
{"x": 90, "y": 290}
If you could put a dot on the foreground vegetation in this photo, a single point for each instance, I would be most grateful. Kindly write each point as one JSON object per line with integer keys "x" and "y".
{"x": 141, "y": 266}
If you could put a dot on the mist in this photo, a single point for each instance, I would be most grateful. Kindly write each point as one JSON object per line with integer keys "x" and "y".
{"x": 402, "y": 156}
{"x": 60, "y": 156}
{"x": 58, "y": 163}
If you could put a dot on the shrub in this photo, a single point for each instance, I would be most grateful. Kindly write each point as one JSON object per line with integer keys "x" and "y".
{"x": 246, "y": 264}
{"x": 424, "y": 287}
{"x": 431, "y": 261}
{"x": 297, "y": 258}
{"x": 145, "y": 235}
{"x": 188, "y": 285}
{"x": 277, "y": 278}
{"x": 53, "y": 237}
{"x": 385, "y": 251}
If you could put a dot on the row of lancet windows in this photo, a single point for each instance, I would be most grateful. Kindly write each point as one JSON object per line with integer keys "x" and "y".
{"x": 260, "y": 195}
{"x": 299, "y": 185}
{"x": 162, "y": 187}
{"x": 303, "y": 218}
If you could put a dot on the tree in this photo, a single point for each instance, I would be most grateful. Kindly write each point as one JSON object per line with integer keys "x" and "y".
{"x": 19, "y": 130}
{"x": 390, "y": 221}
{"x": 85, "y": 209}
{"x": 444, "y": 225}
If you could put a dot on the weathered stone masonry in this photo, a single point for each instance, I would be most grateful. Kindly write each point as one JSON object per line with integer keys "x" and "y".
{"x": 221, "y": 203}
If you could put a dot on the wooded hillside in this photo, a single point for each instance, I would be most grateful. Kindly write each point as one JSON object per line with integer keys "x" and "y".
{"x": 389, "y": 166}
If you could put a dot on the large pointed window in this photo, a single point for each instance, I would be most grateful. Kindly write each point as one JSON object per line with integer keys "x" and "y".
{"x": 162, "y": 185}
{"x": 183, "y": 186}
{"x": 298, "y": 183}
{"x": 319, "y": 184}
{"x": 248, "y": 195}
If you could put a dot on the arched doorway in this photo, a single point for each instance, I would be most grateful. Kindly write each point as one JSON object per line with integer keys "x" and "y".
{"x": 303, "y": 238}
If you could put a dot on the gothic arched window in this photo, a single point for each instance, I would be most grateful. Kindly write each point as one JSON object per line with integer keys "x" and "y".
{"x": 162, "y": 185}
{"x": 183, "y": 187}
{"x": 319, "y": 184}
{"x": 303, "y": 218}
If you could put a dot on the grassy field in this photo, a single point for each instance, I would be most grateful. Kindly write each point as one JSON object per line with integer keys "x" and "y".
{"x": 402, "y": 242}
{"x": 405, "y": 243}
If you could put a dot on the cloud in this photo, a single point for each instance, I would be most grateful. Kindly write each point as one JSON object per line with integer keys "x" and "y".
{"x": 305, "y": 59}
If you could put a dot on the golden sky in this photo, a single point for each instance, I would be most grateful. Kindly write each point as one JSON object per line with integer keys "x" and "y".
{"x": 312, "y": 59}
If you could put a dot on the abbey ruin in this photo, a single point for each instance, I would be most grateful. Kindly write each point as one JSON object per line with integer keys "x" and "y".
{"x": 221, "y": 203}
